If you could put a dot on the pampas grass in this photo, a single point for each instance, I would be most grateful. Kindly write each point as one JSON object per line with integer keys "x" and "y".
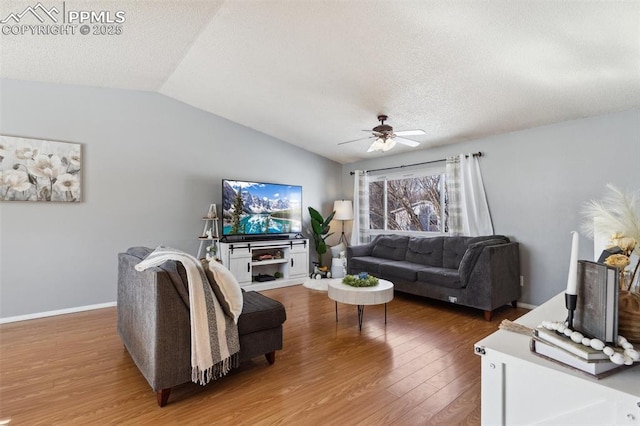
{"x": 618, "y": 211}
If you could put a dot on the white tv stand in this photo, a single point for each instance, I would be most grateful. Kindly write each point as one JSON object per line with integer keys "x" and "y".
{"x": 288, "y": 258}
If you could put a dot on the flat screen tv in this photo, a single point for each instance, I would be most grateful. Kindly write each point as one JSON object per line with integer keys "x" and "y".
{"x": 259, "y": 208}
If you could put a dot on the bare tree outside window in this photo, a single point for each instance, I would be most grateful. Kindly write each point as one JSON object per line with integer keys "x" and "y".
{"x": 376, "y": 205}
{"x": 413, "y": 203}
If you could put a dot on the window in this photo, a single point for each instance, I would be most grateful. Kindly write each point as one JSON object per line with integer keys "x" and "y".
{"x": 408, "y": 202}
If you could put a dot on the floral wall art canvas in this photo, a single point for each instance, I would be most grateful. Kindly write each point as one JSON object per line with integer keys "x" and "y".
{"x": 39, "y": 170}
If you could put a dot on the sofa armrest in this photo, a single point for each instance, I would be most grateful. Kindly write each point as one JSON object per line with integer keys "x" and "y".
{"x": 471, "y": 256}
{"x": 361, "y": 250}
{"x": 495, "y": 278}
{"x": 153, "y": 323}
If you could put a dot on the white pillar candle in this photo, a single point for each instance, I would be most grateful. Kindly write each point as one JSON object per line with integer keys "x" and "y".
{"x": 572, "y": 279}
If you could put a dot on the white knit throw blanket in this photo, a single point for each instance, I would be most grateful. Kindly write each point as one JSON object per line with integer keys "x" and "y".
{"x": 214, "y": 336}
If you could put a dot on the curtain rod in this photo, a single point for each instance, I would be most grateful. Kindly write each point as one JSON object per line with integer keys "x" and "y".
{"x": 475, "y": 154}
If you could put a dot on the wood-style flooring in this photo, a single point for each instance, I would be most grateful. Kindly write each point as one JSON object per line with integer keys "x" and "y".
{"x": 419, "y": 368}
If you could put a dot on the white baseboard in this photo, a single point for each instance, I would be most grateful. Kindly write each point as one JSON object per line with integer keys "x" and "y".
{"x": 57, "y": 312}
{"x": 526, "y": 305}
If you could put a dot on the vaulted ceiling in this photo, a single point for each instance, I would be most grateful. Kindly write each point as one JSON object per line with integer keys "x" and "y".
{"x": 315, "y": 73}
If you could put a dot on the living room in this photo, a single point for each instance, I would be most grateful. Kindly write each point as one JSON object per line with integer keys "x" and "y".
{"x": 154, "y": 163}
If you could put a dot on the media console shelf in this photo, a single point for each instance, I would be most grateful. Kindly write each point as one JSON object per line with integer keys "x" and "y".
{"x": 262, "y": 265}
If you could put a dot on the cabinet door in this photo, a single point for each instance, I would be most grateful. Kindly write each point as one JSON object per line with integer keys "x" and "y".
{"x": 240, "y": 267}
{"x": 299, "y": 264}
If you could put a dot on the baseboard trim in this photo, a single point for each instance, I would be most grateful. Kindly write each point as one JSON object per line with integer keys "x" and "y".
{"x": 57, "y": 312}
{"x": 526, "y": 305}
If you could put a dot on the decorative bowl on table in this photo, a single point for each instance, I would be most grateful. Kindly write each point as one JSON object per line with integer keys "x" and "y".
{"x": 360, "y": 280}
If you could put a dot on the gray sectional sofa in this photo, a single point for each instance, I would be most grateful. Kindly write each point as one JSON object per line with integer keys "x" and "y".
{"x": 480, "y": 272}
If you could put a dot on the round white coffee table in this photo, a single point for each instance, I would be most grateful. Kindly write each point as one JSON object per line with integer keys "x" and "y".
{"x": 361, "y": 296}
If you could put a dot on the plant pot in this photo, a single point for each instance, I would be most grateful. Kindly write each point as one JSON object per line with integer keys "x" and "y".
{"x": 629, "y": 315}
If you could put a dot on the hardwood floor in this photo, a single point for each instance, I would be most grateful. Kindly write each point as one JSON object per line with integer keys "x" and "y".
{"x": 419, "y": 368}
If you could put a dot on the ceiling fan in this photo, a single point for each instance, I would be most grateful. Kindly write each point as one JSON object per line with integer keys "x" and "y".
{"x": 384, "y": 138}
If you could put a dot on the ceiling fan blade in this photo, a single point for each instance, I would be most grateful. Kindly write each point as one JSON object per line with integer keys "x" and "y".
{"x": 415, "y": 132}
{"x": 407, "y": 142}
{"x": 356, "y": 140}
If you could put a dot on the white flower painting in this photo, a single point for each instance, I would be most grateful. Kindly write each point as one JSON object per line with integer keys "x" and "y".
{"x": 39, "y": 170}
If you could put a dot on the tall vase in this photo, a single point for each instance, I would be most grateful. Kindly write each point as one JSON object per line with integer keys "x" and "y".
{"x": 629, "y": 315}
{"x": 625, "y": 277}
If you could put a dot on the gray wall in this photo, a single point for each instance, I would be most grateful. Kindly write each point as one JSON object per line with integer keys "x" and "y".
{"x": 151, "y": 167}
{"x": 537, "y": 182}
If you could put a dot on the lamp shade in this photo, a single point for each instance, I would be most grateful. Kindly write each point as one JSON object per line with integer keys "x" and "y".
{"x": 343, "y": 209}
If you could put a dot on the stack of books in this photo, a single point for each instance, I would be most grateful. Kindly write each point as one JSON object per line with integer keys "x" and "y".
{"x": 596, "y": 316}
{"x": 557, "y": 347}
{"x": 597, "y": 308}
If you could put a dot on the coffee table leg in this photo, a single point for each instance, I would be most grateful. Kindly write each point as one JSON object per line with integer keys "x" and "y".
{"x": 385, "y": 313}
{"x": 336, "y": 311}
{"x": 360, "y": 315}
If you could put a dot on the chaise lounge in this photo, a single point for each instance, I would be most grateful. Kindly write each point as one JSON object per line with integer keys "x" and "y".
{"x": 154, "y": 325}
{"x": 480, "y": 272}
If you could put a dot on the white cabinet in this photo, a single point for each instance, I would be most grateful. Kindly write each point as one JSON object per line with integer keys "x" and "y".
{"x": 261, "y": 265}
{"x": 239, "y": 264}
{"x": 299, "y": 264}
{"x": 520, "y": 388}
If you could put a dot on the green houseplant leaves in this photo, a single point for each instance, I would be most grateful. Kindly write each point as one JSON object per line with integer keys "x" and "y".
{"x": 320, "y": 228}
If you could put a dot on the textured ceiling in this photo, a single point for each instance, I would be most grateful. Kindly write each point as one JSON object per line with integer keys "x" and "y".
{"x": 317, "y": 72}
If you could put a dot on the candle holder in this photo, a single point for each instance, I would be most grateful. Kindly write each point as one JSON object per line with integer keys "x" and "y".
{"x": 570, "y": 301}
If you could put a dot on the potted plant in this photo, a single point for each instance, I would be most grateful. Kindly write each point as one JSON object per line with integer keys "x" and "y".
{"x": 320, "y": 231}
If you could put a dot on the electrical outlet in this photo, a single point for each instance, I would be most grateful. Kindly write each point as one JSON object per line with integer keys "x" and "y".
{"x": 521, "y": 281}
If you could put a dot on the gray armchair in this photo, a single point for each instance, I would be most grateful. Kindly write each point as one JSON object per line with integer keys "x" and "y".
{"x": 154, "y": 326}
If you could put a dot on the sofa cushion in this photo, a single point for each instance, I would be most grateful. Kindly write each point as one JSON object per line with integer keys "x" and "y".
{"x": 401, "y": 269}
{"x": 175, "y": 270}
{"x": 453, "y": 251}
{"x": 501, "y": 238}
{"x": 472, "y": 254}
{"x": 425, "y": 251}
{"x": 443, "y": 277}
{"x": 391, "y": 247}
{"x": 454, "y": 248}
{"x": 368, "y": 264}
{"x": 139, "y": 252}
{"x": 259, "y": 313}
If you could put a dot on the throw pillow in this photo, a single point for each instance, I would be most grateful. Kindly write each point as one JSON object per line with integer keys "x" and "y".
{"x": 336, "y": 250}
{"x": 226, "y": 288}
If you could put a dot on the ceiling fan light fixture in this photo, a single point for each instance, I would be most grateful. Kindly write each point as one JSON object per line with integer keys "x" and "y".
{"x": 382, "y": 144}
{"x": 385, "y": 137}
{"x": 377, "y": 145}
{"x": 388, "y": 144}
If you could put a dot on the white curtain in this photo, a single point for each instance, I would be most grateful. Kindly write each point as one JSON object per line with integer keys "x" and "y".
{"x": 468, "y": 208}
{"x": 360, "y": 207}
{"x": 453, "y": 189}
